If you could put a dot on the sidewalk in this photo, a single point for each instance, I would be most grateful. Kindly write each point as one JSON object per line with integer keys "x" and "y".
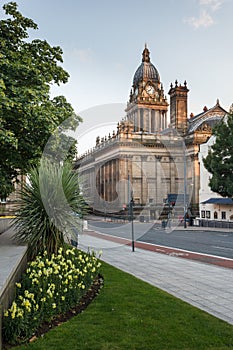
{"x": 205, "y": 286}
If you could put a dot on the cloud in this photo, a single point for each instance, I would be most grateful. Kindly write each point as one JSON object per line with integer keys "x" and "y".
{"x": 205, "y": 19}
{"x": 212, "y": 4}
{"x": 83, "y": 55}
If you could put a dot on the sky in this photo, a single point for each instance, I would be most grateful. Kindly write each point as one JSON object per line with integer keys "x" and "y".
{"x": 102, "y": 43}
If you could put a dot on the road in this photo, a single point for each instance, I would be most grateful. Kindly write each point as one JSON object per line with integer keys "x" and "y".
{"x": 219, "y": 243}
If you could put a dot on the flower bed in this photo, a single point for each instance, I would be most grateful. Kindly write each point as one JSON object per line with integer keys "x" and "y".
{"x": 50, "y": 286}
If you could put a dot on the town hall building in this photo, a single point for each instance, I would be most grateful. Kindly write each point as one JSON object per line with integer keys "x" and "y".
{"x": 149, "y": 159}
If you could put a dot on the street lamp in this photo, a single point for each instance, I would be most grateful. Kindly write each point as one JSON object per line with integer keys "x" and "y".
{"x": 130, "y": 204}
{"x": 185, "y": 184}
{"x": 132, "y": 225}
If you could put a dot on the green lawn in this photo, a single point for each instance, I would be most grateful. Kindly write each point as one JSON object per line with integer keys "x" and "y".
{"x": 131, "y": 314}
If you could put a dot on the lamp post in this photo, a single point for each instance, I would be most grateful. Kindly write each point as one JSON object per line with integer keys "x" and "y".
{"x": 130, "y": 204}
{"x": 185, "y": 185}
{"x": 132, "y": 224}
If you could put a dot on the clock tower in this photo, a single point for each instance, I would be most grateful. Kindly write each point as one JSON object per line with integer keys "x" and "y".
{"x": 147, "y": 106}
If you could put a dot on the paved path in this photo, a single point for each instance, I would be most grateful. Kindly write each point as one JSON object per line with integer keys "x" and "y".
{"x": 205, "y": 286}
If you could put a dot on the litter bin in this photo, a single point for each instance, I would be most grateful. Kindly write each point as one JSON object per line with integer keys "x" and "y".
{"x": 141, "y": 218}
{"x": 163, "y": 224}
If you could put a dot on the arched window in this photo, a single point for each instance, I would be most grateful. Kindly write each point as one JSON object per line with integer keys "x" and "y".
{"x": 215, "y": 215}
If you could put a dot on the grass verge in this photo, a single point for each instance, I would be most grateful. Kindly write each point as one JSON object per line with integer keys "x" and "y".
{"x": 133, "y": 315}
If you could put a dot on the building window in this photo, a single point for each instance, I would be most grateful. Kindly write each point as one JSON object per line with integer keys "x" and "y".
{"x": 207, "y": 214}
{"x": 215, "y": 215}
{"x": 151, "y": 200}
{"x": 203, "y": 214}
{"x": 223, "y": 215}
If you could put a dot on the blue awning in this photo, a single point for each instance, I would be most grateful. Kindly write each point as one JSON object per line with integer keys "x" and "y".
{"x": 226, "y": 201}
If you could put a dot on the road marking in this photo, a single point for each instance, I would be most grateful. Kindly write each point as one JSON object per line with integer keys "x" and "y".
{"x": 223, "y": 248}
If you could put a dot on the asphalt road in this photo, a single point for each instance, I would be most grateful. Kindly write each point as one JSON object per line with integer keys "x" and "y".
{"x": 219, "y": 243}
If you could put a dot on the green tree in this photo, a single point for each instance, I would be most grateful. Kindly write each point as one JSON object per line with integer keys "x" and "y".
{"x": 28, "y": 116}
{"x": 48, "y": 206}
{"x": 219, "y": 161}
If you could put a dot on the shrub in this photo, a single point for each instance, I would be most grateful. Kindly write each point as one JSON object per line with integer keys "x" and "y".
{"x": 46, "y": 207}
{"x": 50, "y": 286}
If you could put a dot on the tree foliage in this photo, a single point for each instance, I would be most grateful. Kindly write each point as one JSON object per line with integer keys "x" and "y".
{"x": 219, "y": 161}
{"x": 28, "y": 116}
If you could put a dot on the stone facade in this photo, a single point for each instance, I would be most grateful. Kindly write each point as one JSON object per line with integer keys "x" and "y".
{"x": 146, "y": 159}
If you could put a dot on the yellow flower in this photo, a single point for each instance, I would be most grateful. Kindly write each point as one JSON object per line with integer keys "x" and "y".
{"x": 20, "y": 313}
{"x": 41, "y": 264}
{"x": 54, "y": 306}
{"x": 52, "y": 286}
{"x": 49, "y": 293}
{"x": 35, "y": 281}
{"x": 6, "y": 313}
{"x": 18, "y": 285}
{"x": 13, "y": 306}
{"x": 62, "y": 298}
{"x": 27, "y": 304}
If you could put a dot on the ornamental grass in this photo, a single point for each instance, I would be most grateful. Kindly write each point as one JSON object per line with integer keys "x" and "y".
{"x": 50, "y": 286}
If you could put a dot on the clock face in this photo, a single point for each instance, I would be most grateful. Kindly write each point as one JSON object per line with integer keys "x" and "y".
{"x": 150, "y": 89}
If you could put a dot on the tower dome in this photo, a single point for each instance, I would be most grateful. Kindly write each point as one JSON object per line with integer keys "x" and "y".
{"x": 146, "y": 70}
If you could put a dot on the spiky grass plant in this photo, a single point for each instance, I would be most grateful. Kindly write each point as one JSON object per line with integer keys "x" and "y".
{"x": 47, "y": 207}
